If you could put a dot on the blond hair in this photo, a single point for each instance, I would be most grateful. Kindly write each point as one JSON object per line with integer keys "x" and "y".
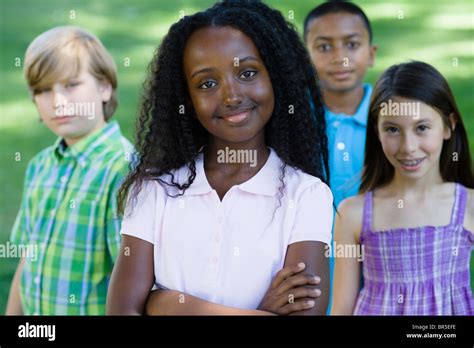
{"x": 55, "y": 55}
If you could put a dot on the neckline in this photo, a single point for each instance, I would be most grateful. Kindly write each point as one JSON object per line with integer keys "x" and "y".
{"x": 452, "y": 221}
{"x": 263, "y": 182}
{"x": 358, "y": 116}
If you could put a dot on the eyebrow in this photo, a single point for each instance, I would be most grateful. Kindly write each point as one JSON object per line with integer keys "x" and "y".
{"x": 248, "y": 58}
{"x": 387, "y": 122}
{"x": 241, "y": 60}
{"x": 329, "y": 38}
{"x": 201, "y": 71}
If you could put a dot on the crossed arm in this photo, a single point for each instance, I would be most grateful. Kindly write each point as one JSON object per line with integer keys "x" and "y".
{"x": 135, "y": 266}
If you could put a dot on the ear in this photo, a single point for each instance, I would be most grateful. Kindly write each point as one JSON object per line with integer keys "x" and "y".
{"x": 372, "y": 52}
{"x": 452, "y": 126}
{"x": 105, "y": 89}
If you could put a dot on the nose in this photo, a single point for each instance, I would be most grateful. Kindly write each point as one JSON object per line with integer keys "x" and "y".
{"x": 59, "y": 97}
{"x": 409, "y": 143}
{"x": 339, "y": 53}
{"x": 231, "y": 93}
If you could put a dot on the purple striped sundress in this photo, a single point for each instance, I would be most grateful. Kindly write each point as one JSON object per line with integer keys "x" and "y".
{"x": 417, "y": 271}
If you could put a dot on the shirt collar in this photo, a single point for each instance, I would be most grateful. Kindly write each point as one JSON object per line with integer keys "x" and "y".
{"x": 86, "y": 149}
{"x": 265, "y": 182}
{"x": 360, "y": 115}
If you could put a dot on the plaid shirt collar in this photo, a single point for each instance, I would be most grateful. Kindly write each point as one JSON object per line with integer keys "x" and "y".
{"x": 86, "y": 149}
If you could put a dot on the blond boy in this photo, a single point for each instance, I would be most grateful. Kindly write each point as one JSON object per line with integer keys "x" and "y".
{"x": 68, "y": 210}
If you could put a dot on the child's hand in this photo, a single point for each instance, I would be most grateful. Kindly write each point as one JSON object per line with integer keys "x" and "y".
{"x": 289, "y": 285}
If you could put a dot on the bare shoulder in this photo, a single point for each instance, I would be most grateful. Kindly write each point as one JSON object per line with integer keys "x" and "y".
{"x": 352, "y": 207}
{"x": 469, "y": 215}
{"x": 350, "y": 212}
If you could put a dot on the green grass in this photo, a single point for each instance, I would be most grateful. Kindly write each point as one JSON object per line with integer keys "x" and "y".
{"x": 435, "y": 32}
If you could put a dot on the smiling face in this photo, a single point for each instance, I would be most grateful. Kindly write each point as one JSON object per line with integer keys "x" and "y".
{"x": 413, "y": 144}
{"x": 228, "y": 83}
{"x": 339, "y": 47}
{"x": 73, "y": 109}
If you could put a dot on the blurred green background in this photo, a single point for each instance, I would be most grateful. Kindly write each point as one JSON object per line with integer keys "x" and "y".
{"x": 437, "y": 32}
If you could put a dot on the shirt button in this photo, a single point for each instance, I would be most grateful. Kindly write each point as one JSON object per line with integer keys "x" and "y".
{"x": 37, "y": 280}
{"x": 341, "y": 146}
{"x": 220, "y": 218}
{"x": 63, "y": 179}
{"x": 217, "y": 238}
{"x": 215, "y": 259}
{"x": 336, "y": 124}
{"x": 53, "y": 212}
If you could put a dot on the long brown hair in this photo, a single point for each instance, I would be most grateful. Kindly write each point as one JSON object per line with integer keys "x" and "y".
{"x": 417, "y": 81}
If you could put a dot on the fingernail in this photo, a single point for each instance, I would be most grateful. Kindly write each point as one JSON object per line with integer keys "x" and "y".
{"x": 317, "y": 292}
{"x": 301, "y": 265}
{"x": 316, "y": 280}
{"x": 310, "y": 303}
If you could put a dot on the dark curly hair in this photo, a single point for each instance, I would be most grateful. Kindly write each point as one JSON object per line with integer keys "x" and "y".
{"x": 167, "y": 140}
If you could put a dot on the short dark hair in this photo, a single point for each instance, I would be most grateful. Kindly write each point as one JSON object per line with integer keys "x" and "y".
{"x": 337, "y": 6}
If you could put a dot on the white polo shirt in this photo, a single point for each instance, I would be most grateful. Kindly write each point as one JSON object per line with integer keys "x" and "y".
{"x": 228, "y": 251}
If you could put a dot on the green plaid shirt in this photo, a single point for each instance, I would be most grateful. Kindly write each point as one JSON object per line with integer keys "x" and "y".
{"x": 68, "y": 215}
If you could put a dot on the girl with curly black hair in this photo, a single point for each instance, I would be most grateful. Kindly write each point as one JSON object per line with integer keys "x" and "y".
{"x": 228, "y": 210}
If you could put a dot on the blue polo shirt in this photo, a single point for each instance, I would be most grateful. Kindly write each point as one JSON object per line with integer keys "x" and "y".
{"x": 346, "y": 145}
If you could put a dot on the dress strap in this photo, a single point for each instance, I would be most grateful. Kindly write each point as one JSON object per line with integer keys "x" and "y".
{"x": 367, "y": 218}
{"x": 459, "y": 208}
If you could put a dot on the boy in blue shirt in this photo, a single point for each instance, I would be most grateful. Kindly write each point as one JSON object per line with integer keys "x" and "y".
{"x": 338, "y": 37}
